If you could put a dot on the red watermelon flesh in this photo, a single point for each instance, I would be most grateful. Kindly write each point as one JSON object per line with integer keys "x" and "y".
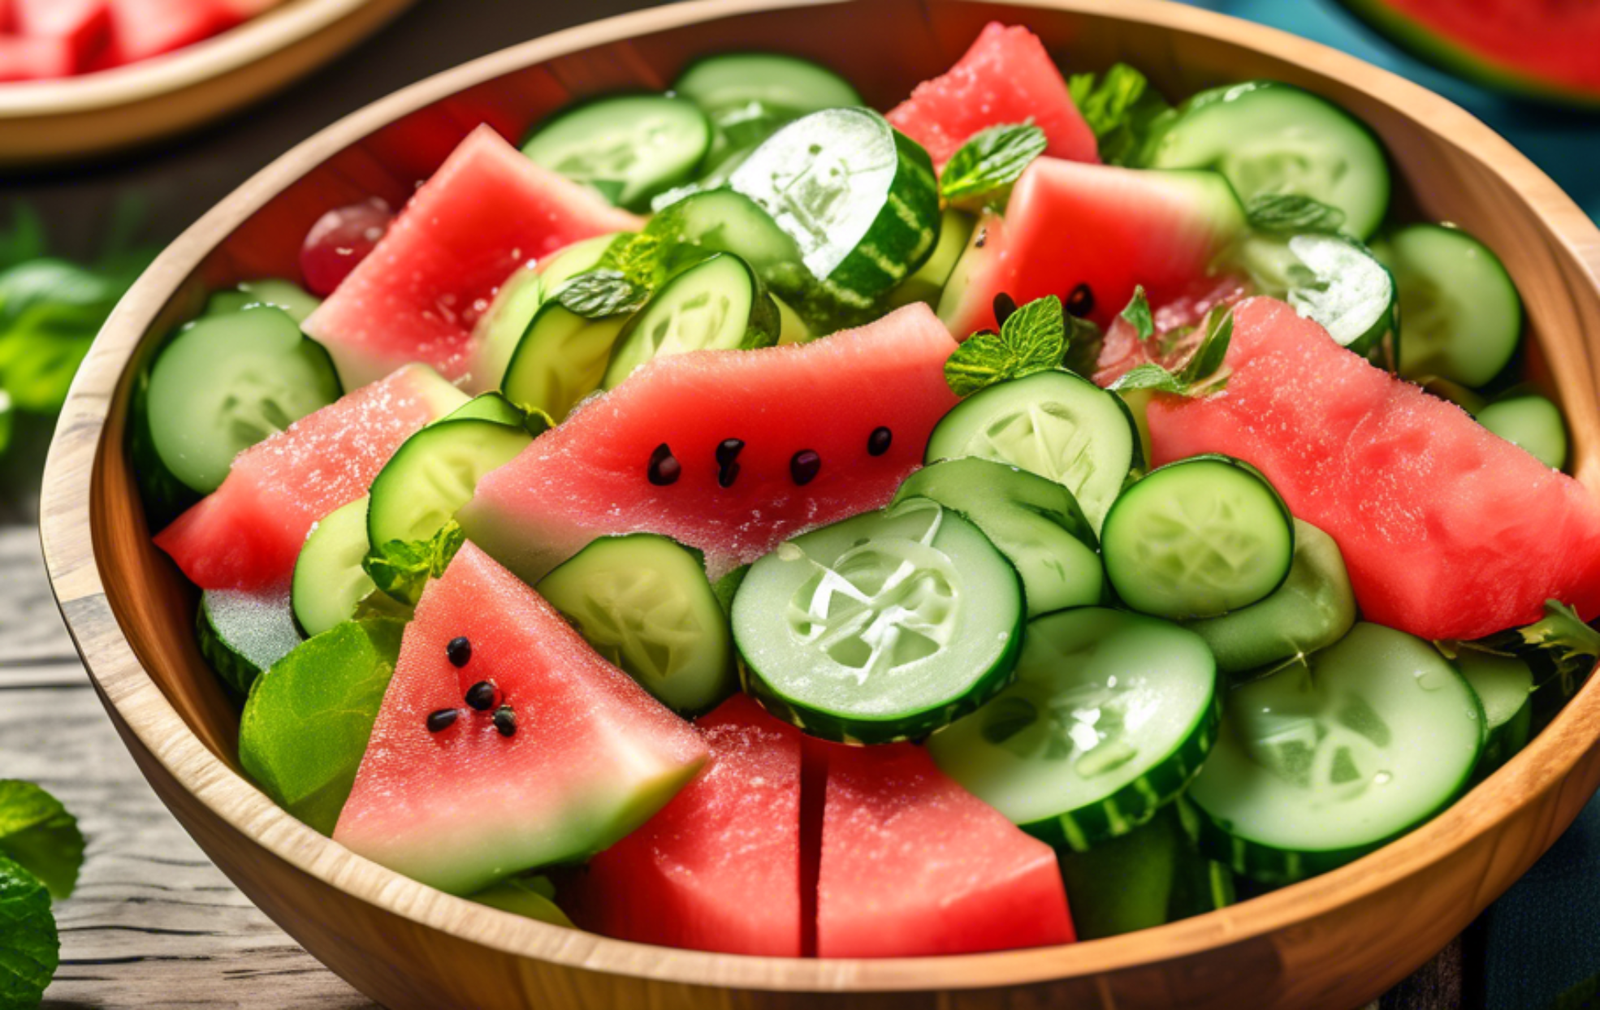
{"x": 25, "y": 59}
{"x": 913, "y": 865}
{"x": 1177, "y": 335}
{"x": 487, "y": 211}
{"x": 247, "y": 533}
{"x": 78, "y": 29}
{"x": 1447, "y": 530}
{"x": 1005, "y": 77}
{"x": 719, "y": 867}
{"x": 1100, "y": 228}
{"x": 589, "y": 476}
{"x": 592, "y": 758}
{"x": 141, "y": 29}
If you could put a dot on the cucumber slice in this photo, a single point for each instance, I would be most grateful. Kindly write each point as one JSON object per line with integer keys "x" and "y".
{"x": 1325, "y": 761}
{"x": 1532, "y": 422}
{"x": 1462, "y": 313}
{"x": 1110, "y": 717}
{"x": 1198, "y": 538}
{"x": 433, "y": 474}
{"x": 858, "y": 197}
{"x": 1334, "y": 281}
{"x": 227, "y": 382}
{"x": 560, "y": 360}
{"x": 1313, "y": 609}
{"x": 629, "y": 148}
{"x": 749, "y": 96}
{"x": 1055, "y": 424}
{"x": 501, "y": 328}
{"x": 242, "y": 634}
{"x": 1267, "y": 138}
{"x": 645, "y": 604}
{"x": 328, "y": 578}
{"x": 717, "y": 304}
{"x": 721, "y": 220}
{"x": 1036, "y": 523}
{"x": 882, "y": 627}
{"x": 488, "y": 407}
{"x": 578, "y": 258}
{"x": 927, "y": 284}
{"x": 1504, "y": 686}
{"x": 274, "y": 291}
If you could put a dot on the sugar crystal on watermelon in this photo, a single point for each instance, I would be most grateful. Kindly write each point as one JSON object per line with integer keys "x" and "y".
{"x": 486, "y": 212}
{"x": 247, "y": 533}
{"x": 1447, "y": 530}
{"x": 591, "y": 758}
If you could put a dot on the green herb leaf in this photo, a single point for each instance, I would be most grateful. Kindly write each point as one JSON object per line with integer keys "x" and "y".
{"x": 1120, "y": 107}
{"x": 601, "y": 293}
{"x": 1084, "y": 341}
{"x": 25, "y": 240}
{"x": 30, "y": 947}
{"x": 1207, "y": 362}
{"x": 1149, "y": 376}
{"x": 1138, "y": 314}
{"x": 981, "y": 172}
{"x": 1559, "y": 646}
{"x": 1032, "y": 339}
{"x": 38, "y": 833}
{"x": 1292, "y": 214}
{"x": 402, "y": 568}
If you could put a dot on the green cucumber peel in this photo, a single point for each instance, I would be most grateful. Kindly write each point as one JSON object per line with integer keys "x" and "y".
{"x": 1119, "y": 106}
{"x": 981, "y": 172}
{"x": 402, "y": 568}
{"x": 1032, "y": 339}
{"x": 1293, "y": 214}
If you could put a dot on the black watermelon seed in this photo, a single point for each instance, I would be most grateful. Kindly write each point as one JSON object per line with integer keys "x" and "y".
{"x": 729, "y": 450}
{"x": 727, "y": 474}
{"x": 442, "y": 720}
{"x": 481, "y": 696}
{"x": 805, "y": 466}
{"x": 982, "y": 239}
{"x": 879, "y": 441}
{"x": 664, "y": 468}
{"x": 1004, "y": 305}
{"x": 505, "y": 720}
{"x": 1081, "y": 302}
{"x": 459, "y": 651}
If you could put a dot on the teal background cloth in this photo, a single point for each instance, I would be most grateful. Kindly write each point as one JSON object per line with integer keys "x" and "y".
{"x": 1543, "y": 936}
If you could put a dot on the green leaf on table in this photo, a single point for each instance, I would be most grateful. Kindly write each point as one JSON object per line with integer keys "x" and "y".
{"x": 1120, "y": 107}
{"x": 38, "y": 833}
{"x": 981, "y": 172}
{"x": 30, "y": 947}
{"x": 25, "y": 239}
{"x": 1137, "y": 314}
{"x": 50, "y": 312}
{"x": 1293, "y": 214}
{"x": 402, "y": 568}
{"x": 1032, "y": 339}
{"x": 601, "y": 293}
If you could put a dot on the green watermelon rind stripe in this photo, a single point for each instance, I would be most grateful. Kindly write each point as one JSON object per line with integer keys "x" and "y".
{"x": 902, "y": 236}
{"x": 1135, "y": 803}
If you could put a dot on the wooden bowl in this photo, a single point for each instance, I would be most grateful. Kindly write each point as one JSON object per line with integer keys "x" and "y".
{"x": 76, "y": 116}
{"x": 1335, "y": 941}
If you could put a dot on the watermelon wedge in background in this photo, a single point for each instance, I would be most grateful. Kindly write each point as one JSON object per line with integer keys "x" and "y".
{"x": 1544, "y": 48}
{"x": 487, "y": 211}
{"x": 598, "y": 473}
{"x": 1006, "y": 76}
{"x": 1447, "y": 530}
{"x": 24, "y": 59}
{"x": 591, "y": 757}
{"x": 141, "y": 29}
{"x": 248, "y": 533}
{"x": 719, "y": 867}
{"x": 72, "y": 31}
{"x": 913, "y": 865}
{"x": 1090, "y": 234}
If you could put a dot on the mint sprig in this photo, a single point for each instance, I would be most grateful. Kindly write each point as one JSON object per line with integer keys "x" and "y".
{"x": 402, "y": 568}
{"x": 1032, "y": 339}
{"x": 1203, "y": 374}
{"x": 981, "y": 172}
{"x": 1121, "y": 107}
{"x": 41, "y": 850}
{"x": 598, "y": 294}
{"x": 1293, "y": 214}
{"x": 1138, "y": 315}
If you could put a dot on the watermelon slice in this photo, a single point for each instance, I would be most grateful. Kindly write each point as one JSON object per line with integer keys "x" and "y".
{"x": 1447, "y": 530}
{"x": 686, "y": 878}
{"x": 247, "y": 533}
{"x": 591, "y": 757}
{"x": 1005, "y": 77}
{"x": 1091, "y": 234}
{"x": 594, "y": 474}
{"x": 141, "y": 29}
{"x": 79, "y": 27}
{"x": 487, "y": 211}
{"x": 913, "y": 865}
{"x": 26, "y": 59}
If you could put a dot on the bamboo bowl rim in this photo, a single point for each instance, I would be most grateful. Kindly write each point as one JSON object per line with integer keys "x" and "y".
{"x": 70, "y": 491}
{"x": 269, "y": 32}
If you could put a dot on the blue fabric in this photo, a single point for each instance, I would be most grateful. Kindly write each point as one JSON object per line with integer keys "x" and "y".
{"x": 1543, "y": 936}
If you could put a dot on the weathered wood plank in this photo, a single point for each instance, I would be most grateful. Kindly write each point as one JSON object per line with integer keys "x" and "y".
{"x": 31, "y": 631}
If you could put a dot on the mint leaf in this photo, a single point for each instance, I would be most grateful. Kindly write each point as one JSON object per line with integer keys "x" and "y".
{"x": 981, "y": 172}
{"x": 1293, "y": 214}
{"x": 1203, "y": 374}
{"x": 601, "y": 293}
{"x": 1559, "y": 646}
{"x": 402, "y": 568}
{"x": 1120, "y": 107}
{"x": 1138, "y": 314}
{"x": 38, "y": 833}
{"x": 1148, "y": 376}
{"x": 1032, "y": 339}
{"x": 30, "y": 947}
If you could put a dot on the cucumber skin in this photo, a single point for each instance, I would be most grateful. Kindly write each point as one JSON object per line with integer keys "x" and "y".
{"x": 236, "y": 672}
{"x": 1139, "y": 801}
{"x": 162, "y": 494}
